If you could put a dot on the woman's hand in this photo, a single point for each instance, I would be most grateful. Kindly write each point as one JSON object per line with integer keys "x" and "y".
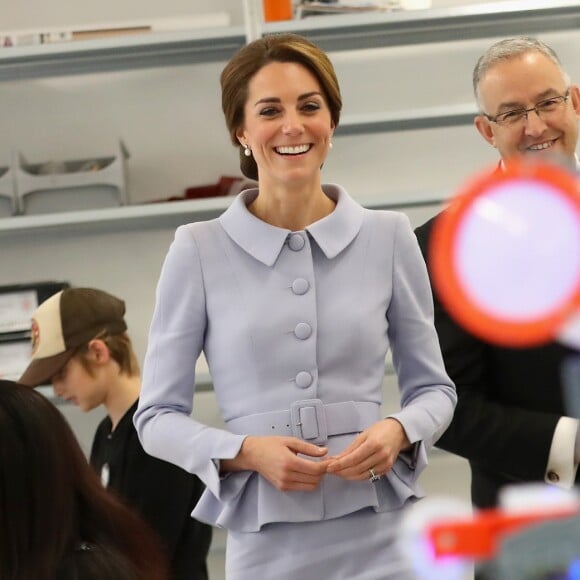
{"x": 276, "y": 459}
{"x": 376, "y": 448}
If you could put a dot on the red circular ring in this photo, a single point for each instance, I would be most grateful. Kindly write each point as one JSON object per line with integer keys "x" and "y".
{"x": 449, "y": 287}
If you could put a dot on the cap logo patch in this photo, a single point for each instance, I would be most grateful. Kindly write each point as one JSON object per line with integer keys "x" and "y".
{"x": 35, "y": 336}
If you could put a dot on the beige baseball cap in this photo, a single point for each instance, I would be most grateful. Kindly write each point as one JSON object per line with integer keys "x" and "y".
{"x": 66, "y": 321}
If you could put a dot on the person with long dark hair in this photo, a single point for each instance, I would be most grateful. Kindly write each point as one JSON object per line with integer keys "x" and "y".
{"x": 57, "y": 522}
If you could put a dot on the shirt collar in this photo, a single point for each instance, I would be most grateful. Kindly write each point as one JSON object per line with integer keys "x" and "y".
{"x": 333, "y": 233}
{"x": 576, "y": 160}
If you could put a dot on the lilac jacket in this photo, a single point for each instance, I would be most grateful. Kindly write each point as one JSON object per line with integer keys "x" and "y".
{"x": 292, "y": 323}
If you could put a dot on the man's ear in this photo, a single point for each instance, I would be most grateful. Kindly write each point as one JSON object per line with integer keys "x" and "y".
{"x": 98, "y": 351}
{"x": 485, "y": 129}
{"x": 575, "y": 98}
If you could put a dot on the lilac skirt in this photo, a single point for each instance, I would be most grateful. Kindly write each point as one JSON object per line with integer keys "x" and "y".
{"x": 359, "y": 546}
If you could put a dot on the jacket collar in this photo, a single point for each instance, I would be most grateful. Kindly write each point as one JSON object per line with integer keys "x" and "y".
{"x": 264, "y": 242}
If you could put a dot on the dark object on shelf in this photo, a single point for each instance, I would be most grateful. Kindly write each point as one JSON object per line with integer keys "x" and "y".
{"x": 225, "y": 186}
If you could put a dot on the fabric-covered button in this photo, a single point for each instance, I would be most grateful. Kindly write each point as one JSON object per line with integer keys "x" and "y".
{"x": 302, "y": 330}
{"x": 300, "y": 286}
{"x": 553, "y": 477}
{"x": 296, "y": 242}
{"x": 303, "y": 379}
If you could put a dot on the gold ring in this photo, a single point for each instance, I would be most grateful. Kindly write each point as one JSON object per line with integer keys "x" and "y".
{"x": 373, "y": 476}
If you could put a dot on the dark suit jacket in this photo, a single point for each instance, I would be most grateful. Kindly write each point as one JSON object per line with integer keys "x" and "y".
{"x": 509, "y": 402}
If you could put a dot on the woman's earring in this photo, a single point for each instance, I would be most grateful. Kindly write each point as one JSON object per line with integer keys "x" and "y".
{"x": 330, "y": 144}
{"x": 247, "y": 151}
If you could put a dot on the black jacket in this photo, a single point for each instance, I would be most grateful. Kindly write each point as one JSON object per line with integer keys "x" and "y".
{"x": 509, "y": 402}
{"x": 162, "y": 493}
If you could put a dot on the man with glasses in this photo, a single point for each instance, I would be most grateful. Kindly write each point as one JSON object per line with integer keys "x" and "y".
{"x": 526, "y": 101}
{"x": 510, "y": 421}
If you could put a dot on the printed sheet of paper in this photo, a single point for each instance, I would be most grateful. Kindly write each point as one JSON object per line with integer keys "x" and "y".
{"x": 16, "y": 308}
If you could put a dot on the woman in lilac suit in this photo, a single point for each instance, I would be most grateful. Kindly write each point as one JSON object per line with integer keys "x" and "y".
{"x": 295, "y": 294}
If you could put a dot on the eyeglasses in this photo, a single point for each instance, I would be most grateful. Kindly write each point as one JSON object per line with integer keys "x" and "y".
{"x": 543, "y": 109}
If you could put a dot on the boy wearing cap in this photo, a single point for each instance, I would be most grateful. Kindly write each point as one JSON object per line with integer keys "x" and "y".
{"x": 80, "y": 345}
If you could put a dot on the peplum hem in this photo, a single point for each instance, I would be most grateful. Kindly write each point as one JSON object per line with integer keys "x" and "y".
{"x": 249, "y": 502}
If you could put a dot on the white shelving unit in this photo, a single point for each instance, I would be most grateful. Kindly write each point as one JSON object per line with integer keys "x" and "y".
{"x": 148, "y": 50}
{"x": 166, "y": 215}
{"x": 333, "y": 33}
{"x": 490, "y": 19}
{"x": 141, "y": 217}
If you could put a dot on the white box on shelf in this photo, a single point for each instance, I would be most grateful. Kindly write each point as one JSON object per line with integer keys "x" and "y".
{"x": 71, "y": 185}
{"x": 23, "y": 37}
{"x": 8, "y": 204}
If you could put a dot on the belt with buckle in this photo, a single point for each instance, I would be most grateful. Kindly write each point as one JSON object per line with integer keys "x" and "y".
{"x": 310, "y": 420}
